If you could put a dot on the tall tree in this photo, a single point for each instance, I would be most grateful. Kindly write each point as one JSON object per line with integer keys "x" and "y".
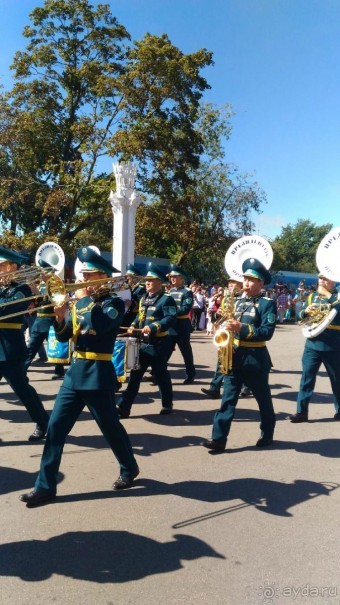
{"x": 196, "y": 225}
{"x": 83, "y": 90}
{"x": 295, "y": 248}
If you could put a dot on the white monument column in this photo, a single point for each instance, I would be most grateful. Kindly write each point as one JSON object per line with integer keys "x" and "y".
{"x": 124, "y": 203}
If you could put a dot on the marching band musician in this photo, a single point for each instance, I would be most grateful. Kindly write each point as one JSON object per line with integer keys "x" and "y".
{"x": 254, "y": 324}
{"x": 137, "y": 291}
{"x": 181, "y": 330}
{"x": 13, "y": 350}
{"x": 323, "y": 348}
{"x": 40, "y": 329}
{"x": 90, "y": 381}
{"x": 157, "y": 312}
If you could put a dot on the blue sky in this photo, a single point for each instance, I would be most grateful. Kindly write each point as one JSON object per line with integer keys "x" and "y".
{"x": 277, "y": 62}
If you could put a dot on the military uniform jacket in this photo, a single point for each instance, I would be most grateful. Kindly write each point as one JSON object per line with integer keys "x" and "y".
{"x": 329, "y": 339}
{"x": 158, "y": 312}
{"x": 258, "y": 317}
{"x": 184, "y": 299}
{"x": 93, "y": 325}
{"x": 12, "y": 338}
{"x": 45, "y": 318}
{"x": 136, "y": 294}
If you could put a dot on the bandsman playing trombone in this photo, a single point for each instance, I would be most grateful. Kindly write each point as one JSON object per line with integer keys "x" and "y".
{"x": 90, "y": 381}
{"x": 13, "y": 351}
{"x": 40, "y": 329}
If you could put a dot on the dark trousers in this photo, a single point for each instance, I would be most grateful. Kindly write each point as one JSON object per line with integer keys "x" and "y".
{"x": 196, "y": 316}
{"x": 155, "y": 356}
{"x": 67, "y": 408}
{"x": 217, "y": 380}
{"x": 15, "y": 374}
{"x": 183, "y": 342}
{"x": 36, "y": 341}
{"x": 311, "y": 362}
{"x": 34, "y": 346}
{"x": 258, "y": 383}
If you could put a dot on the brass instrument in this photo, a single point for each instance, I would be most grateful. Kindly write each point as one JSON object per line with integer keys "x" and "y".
{"x": 57, "y": 292}
{"x": 318, "y": 319}
{"x": 224, "y": 339}
{"x": 53, "y": 254}
{"x": 327, "y": 262}
{"x": 26, "y": 275}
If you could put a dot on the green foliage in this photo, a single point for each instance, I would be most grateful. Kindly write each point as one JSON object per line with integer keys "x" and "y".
{"x": 295, "y": 248}
{"x": 196, "y": 225}
{"x": 83, "y": 91}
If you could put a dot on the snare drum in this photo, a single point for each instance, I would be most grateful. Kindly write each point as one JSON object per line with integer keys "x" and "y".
{"x": 132, "y": 354}
{"x": 125, "y": 356}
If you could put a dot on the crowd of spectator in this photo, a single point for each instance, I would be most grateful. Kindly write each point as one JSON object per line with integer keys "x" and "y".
{"x": 207, "y": 299}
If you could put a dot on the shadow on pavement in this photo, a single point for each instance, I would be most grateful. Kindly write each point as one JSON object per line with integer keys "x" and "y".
{"x": 265, "y": 495}
{"x": 13, "y": 480}
{"x": 99, "y": 556}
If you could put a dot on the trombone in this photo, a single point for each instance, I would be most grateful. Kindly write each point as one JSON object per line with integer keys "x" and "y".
{"x": 57, "y": 292}
{"x": 25, "y": 275}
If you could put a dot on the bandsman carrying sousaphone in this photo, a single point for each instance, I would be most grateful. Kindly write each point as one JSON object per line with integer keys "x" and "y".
{"x": 320, "y": 319}
{"x": 48, "y": 256}
{"x": 15, "y": 299}
{"x": 251, "y": 327}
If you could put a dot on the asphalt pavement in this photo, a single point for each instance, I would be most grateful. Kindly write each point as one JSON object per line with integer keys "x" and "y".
{"x": 244, "y": 527}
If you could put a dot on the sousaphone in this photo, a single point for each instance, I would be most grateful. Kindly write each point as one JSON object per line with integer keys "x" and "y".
{"x": 248, "y": 246}
{"x": 53, "y": 254}
{"x": 327, "y": 262}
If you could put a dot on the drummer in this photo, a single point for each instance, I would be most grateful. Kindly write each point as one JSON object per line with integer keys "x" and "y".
{"x": 157, "y": 312}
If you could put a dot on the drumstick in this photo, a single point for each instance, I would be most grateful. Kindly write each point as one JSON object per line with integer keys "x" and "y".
{"x": 134, "y": 329}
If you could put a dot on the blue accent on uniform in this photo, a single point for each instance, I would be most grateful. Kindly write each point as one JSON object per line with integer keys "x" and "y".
{"x": 13, "y": 257}
{"x": 95, "y": 261}
{"x": 153, "y": 271}
{"x": 254, "y": 268}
